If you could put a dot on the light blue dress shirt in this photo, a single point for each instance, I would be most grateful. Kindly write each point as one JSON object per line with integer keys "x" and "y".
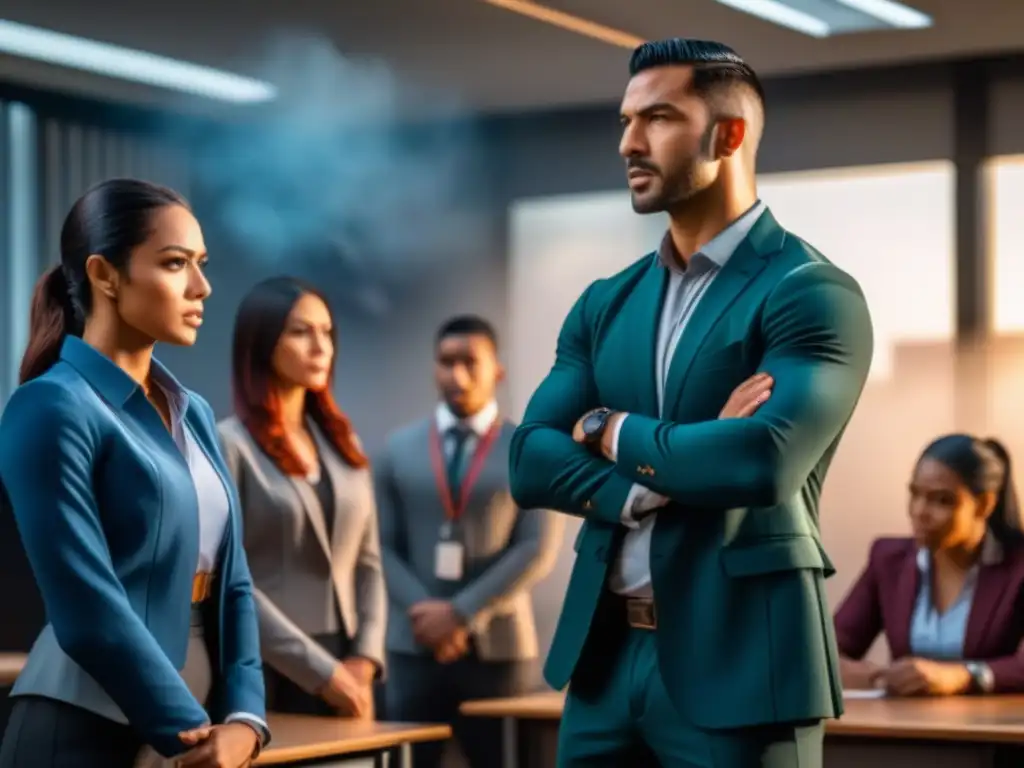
{"x": 935, "y": 635}
{"x": 214, "y": 505}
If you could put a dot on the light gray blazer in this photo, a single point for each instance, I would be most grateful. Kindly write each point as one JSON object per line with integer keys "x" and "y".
{"x": 507, "y": 549}
{"x": 300, "y": 576}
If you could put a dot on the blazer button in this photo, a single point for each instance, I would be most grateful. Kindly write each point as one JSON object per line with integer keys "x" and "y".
{"x": 588, "y": 504}
{"x": 600, "y": 553}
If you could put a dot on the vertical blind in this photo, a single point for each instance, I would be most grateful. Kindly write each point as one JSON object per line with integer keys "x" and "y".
{"x": 46, "y": 163}
{"x": 74, "y": 156}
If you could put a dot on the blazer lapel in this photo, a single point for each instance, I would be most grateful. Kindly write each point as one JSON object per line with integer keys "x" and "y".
{"x": 331, "y": 463}
{"x": 495, "y": 461}
{"x": 648, "y": 300}
{"x": 905, "y": 587}
{"x": 310, "y": 500}
{"x": 988, "y": 590}
{"x": 743, "y": 266}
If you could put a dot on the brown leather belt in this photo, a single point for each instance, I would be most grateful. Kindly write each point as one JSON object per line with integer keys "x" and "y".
{"x": 640, "y": 613}
{"x": 202, "y": 586}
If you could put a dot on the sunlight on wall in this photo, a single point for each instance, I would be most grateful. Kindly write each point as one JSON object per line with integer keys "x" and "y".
{"x": 891, "y": 227}
{"x": 1005, "y": 188}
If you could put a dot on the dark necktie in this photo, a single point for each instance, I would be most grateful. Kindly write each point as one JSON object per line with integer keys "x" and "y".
{"x": 459, "y": 436}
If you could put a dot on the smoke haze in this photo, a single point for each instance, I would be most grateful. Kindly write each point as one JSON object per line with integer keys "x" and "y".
{"x": 348, "y": 165}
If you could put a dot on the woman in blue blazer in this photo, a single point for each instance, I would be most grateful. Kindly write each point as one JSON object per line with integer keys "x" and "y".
{"x": 126, "y": 509}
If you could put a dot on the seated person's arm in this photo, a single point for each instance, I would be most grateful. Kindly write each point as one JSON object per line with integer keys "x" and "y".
{"x": 858, "y": 622}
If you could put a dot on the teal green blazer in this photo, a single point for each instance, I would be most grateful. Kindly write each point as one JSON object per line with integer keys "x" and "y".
{"x": 744, "y": 632}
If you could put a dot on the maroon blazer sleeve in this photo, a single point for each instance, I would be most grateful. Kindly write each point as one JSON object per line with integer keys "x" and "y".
{"x": 1008, "y": 672}
{"x": 1003, "y": 622}
{"x": 859, "y": 617}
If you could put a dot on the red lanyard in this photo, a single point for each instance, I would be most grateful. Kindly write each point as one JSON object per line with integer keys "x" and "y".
{"x": 453, "y": 512}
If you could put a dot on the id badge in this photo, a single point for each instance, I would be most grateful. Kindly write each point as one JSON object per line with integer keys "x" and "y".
{"x": 448, "y": 560}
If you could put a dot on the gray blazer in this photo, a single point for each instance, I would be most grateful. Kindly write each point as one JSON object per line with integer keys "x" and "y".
{"x": 300, "y": 576}
{"x": 507, "y": 549}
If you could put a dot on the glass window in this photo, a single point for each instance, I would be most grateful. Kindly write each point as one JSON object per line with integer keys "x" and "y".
{"x": 1005, "y": 186}
{"x": 891, "y": 227}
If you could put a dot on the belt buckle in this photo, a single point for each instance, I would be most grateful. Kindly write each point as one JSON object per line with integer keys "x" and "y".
{"x": 201, "y": 586}
{"x": 640, "y": 613}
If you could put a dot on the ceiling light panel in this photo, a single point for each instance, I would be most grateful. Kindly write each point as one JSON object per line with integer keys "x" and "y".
{"x": 122, "y": 63}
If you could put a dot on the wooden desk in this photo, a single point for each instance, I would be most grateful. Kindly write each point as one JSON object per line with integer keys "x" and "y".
{"x": 10, "y": 667}
{"x": 967, "y": 732}
{"x": 333, "y": 742}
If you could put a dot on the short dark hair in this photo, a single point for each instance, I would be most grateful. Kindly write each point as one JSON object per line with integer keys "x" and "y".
{"x": 715, "y": 65}
{"x": 467, "y": 325}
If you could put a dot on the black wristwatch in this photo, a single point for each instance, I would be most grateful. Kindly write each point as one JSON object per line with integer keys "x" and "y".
{"x": 594, "y": 425}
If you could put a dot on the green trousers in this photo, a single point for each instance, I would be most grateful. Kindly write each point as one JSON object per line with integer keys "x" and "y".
{"x": 626, "y": 720}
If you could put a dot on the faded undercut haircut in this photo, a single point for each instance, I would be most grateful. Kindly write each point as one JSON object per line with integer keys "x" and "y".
{"x": 718, "y": 71}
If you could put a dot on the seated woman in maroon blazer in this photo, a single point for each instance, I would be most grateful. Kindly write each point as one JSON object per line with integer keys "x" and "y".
{"x": 950, "y": 600}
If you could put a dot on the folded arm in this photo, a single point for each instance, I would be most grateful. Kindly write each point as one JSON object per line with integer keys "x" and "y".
{"x": 547, "y": 468}
{"x": 818, "y": 344}
{"x": 531, "y": 554}
{"x": 47, "y": 452}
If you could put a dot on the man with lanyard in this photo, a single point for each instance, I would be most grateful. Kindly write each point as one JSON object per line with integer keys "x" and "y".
{"x": 459, "y": 556}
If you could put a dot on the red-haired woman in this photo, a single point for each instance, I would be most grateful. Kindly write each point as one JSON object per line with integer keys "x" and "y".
{"x": 310, "y": 520}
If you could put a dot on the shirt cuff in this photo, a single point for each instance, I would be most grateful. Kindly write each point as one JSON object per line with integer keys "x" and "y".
{"x": 257, "y": 723}
{"x": 615, "y": 440}
{"x": 640, "y": 499}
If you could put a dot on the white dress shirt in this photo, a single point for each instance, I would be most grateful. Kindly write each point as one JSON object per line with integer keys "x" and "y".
{"x": 479, "y": 424}
{"x": 631, "y": 574}
{"x": 214, "y": 505}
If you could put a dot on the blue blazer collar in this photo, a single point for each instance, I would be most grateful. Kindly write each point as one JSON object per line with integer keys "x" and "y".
{"x": 113, "y": 384}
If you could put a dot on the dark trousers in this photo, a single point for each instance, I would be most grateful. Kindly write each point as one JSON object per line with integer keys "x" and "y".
{"x": 285, "y": 696}
{"x": 619, "y": 715}
{"x": 44, "y": 733}
{"x": 419, "y": 690}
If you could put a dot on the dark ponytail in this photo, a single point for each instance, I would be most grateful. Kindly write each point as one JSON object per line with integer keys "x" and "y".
{"x": 110, "y": 220}
{"x": 50, "y": 320}
{"x": 1005, "y": 519}
{"x": 984, "y": 466}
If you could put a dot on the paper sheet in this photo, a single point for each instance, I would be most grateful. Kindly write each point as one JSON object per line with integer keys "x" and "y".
{"x": 864, "y": 693}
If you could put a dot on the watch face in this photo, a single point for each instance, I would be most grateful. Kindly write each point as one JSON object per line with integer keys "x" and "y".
{"x": 594, "y": 423}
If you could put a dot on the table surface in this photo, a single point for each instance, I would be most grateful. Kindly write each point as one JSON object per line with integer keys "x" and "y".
{"x": 10, "y": 667}
{"x": 297, "y": 737}
{"x": 306, "y": 738}
{"x": 994, "y": 719}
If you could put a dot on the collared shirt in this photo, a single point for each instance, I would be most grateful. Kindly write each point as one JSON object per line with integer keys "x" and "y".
{"x": 940, "y": 636}
{"x": 479, "y": 424}
{"x": 631, "y": 574}
{"x": 214, "y": 505}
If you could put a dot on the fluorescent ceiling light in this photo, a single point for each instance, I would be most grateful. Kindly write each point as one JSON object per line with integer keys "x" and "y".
{"x": 784, "y": 15}
{"x": 891, "y": 12}
{"x": 821, "y": 18}
{"x": 569, "y": 22}
{"x": 127, "y": 64}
